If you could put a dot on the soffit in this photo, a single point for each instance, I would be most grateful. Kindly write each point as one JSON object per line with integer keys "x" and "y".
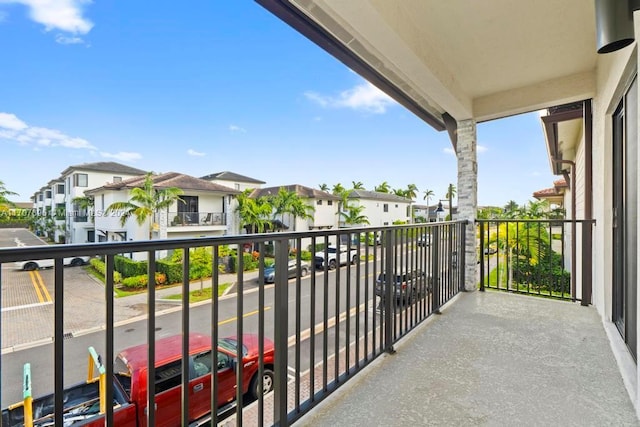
{"x": 473, "y": 59}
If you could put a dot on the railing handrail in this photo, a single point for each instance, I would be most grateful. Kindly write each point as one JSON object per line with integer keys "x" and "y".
{"x": 106, "y": 248}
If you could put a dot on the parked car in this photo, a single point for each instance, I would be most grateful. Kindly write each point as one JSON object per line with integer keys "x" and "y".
{"x": 292, "y": 271}
{"x": 424, "y": 240}
{"x": 49, "y": 263}
{"x": 332, "y": 262}
{"x": 407, "y": 286}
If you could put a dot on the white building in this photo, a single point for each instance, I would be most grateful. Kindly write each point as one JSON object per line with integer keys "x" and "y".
{"x": 239, "y": 183}
{"x": 202, "y": 211}
{"x": 381, "y": 208}
{"x": 79, "y": 178}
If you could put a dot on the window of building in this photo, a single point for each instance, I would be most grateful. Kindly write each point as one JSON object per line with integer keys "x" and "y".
{"x": 396, "y": 205}
{"x": 385, "y": 207}
{"x": 319, "y": 202}
{"x": 48, "y": 194}
{"x": 117, "y": 179}
{"x": 237, "y": 186}
{"x": 330, "y": 202}
{"x": 385, "y": 223}
{"x": 80, "y": 180}
{"x": 40, "y": 197}
{"x": 60, "y": 189}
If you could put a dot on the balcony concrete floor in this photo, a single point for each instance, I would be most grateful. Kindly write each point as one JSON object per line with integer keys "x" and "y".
{"x": 492, "y": 359}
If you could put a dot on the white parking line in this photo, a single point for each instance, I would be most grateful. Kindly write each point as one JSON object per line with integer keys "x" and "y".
{"x": 20, "y": 307}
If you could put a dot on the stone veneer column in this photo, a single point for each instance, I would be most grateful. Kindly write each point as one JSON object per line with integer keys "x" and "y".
{"x": 468, "y": 195}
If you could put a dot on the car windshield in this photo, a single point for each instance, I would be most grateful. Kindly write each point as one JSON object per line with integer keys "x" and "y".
{"x": 231, "y": 345}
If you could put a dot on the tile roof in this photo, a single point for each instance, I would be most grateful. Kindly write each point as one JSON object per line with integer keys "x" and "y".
{"x": 168, "y": 179}
{"x": 300, "y": 190}
{"x": 376, "y": 195}
{"x": 104, "y": 167}
{"x": 231, "y": 176}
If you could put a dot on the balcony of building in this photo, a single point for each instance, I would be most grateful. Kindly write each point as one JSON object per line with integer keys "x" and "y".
{"x": 354, "y": 345}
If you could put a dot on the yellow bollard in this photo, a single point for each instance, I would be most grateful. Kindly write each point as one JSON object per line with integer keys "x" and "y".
{"x": 94, "y": 360}
{"x": 27, "y": 397}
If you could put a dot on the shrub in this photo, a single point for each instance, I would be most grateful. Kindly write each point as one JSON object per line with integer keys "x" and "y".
{"x": 128, "y": 267}
{"x": 305, "y": 255}
{"x": 172, "y": 270}
{"x": 140, "y": 282}
{"x": 101, "y": 268}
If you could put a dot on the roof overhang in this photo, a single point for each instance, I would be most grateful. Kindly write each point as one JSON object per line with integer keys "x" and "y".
{"x": 471, "y": 60}
{"x": 563, "y": 127}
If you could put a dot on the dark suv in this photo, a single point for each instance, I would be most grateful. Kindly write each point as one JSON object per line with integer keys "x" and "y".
{"x": 407, "y": 286}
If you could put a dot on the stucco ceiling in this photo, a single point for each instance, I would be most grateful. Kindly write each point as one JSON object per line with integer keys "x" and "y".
{"x": 471, "y": 59}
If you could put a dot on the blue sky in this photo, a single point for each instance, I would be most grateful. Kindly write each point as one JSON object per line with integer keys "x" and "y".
{"x": 221, "y": 85}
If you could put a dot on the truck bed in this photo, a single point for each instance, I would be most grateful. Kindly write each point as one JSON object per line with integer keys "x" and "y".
{"x": 81, "y": 402}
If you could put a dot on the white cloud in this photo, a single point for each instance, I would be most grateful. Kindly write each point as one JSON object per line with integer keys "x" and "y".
{"x": 14, "y": 129}
{"x": 235, "y": 128}
{"x": 195, "y": 153}
{"x": 61, "y": 39}
{"x": 482, "y": 148}
{"x": 124, "y": 156}
{"x": 363, "y": 97}
{"x": 10, "y": 121}
{"x": 64, "y": 15}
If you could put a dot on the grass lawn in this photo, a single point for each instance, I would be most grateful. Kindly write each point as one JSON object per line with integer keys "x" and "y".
{"x": 205, "y": 294}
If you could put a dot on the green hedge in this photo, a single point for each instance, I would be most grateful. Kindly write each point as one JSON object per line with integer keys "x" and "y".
{"x": 172, "y": 270}
{"x": 129, "y": 268}
{"x": 141, "y": 281}
{"x": 101, "y": 268}
{"x": 249, "y": 262}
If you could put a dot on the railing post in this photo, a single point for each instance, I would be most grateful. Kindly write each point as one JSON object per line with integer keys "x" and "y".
{"x": 587, "y": 275}
{"x": 462, "y": 260}
{"x": 435, "y": 270}
{"x": 388, "y": 289}
{"x": 482, "y": 256}
{"x": 281, "y": 332}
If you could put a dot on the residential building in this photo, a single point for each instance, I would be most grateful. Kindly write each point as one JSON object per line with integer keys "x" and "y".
{"x": 203, "y": 209}
{"x": 79, "y": 178}
{"x": 380, "y": 208}
{"x": 555, "y": 195}
{"x": 239, "y": 183}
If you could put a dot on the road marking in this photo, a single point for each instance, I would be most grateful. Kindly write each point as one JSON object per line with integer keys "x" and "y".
{"x": 233, "y": 319}
{"x": 21, "y": 307}
{"x": 41, "y": 289}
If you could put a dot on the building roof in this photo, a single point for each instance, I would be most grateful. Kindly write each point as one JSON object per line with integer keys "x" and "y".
{"x": 231, "y": 176}
{"x": 376, "y": 195}
{"x": 300, "y": 190}
{"x": 104, "y": 167}
{"x": 556, "y": 192}
{"x": 166, "y": 180}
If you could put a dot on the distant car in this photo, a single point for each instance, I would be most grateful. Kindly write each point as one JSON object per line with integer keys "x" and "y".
{"x": 49, "y": 263}
{"x": 424, "y": 240}
{"x": 292, "y": 270}
{"x": 407, "y": 286}
{"x": 332, "y": 260}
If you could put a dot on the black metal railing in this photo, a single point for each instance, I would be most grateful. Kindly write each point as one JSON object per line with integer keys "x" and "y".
{"x": 550, "y": 257}
{"x": 325, "y": 327}
{"x": 196, "y": 218}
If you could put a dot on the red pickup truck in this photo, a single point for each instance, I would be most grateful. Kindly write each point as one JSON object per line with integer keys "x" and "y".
{"x": 82, "y": 401}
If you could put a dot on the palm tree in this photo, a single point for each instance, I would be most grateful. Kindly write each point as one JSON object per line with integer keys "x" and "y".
{"x": 383, "y": 188}
{"x": 255, "y": 213}
{"x": 400, "y": 192}
{"x": 323, "y": 187}
{"x": 300, "y": 209}
{"x": 358, "y": 185}
{"x": 411, "y": 192}
{"x": 511, "y": 209}
{"x": 282, "y": 202}
{"x": 4, "y": 193}
{"x": 451, "y": 192}
{"x": 338, "y": 189}
{"x": 144, "y": 202}
{"x": 428, "y": 194}
{"x": 354, "y": 216}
